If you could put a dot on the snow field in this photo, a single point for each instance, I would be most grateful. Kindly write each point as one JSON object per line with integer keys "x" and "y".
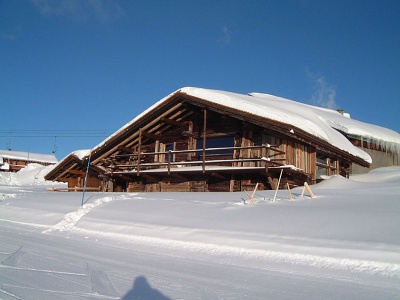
{"x": 342, "y": 244}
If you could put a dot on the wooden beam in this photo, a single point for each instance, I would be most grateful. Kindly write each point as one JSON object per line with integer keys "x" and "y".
{"x": 63, "y": 179}
{"x": 121, "y": 176}
{"x": 126, "y": 149}
{"x": 179, "y": 176}
{"x": 77, "y": 172}
{"x": 272, "y": 182}
{"x": 173, "y": 122}
{"x": 147, "y": 176}
{"x": 217, "y": 175}
{"x": 151, "y": 135}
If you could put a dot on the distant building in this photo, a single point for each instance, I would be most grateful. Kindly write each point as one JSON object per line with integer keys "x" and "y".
{"x": 206, "y": 140}
{"x": 13, "y": 161}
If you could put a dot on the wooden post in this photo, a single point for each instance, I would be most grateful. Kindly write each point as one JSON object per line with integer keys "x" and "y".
{"x": 252, "y": 195}
{"x": 313, "y": 163}
{"x": 290, "y": 192}
{"x": 307, "y": 187}
{"x": 157, "y": 149}
{"x": 277, "y": 186}
{"x": 190, "y": 141}
{"x": 139, "y": 150}
{"x": 169, "y": 162}
{"x": 232, "y": 183}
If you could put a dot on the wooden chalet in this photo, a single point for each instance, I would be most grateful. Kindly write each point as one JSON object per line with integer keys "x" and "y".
{"x": 72, "y": 170}
{"x": 13, "y": 161}
{"x": 203, "y": 140}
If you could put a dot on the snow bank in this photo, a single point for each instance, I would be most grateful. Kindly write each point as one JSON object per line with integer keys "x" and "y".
{"x": 377, "y": 178}
{"x": 32, "y": 174}
{"x": 381, "y": 175}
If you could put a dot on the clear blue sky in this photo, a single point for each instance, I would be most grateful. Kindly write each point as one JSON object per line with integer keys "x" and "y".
{"x": 74, "y": 71}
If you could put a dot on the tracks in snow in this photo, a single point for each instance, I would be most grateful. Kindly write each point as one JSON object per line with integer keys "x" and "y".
{"x": 369, "y": 267}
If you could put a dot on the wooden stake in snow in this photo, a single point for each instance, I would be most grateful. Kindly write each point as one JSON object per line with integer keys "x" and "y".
{"x": 277, "y": 186}
{"x": 252, "y": 195}
{"x": 290, "y": 192}
{"x": 307, "y": 187}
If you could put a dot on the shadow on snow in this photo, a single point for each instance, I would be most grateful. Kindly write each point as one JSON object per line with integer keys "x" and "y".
{"x": 142, "y": 290}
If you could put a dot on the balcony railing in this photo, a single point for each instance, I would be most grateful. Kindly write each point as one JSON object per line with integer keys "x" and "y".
{"x": 249, "y": 156}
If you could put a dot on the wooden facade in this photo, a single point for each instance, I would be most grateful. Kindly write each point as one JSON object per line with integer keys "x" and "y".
{"x": 189, "y": 144}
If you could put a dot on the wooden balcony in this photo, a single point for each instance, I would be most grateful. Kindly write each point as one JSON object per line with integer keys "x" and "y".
{"x": 224, "y": 159}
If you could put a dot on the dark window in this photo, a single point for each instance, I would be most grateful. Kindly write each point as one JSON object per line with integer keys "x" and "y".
{"x": 169, "y": 147}
{"x": 217, "y": 142}
{"x": 257, "y": 140}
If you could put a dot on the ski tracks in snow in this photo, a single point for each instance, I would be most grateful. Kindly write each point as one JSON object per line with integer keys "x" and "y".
{"x": 94, "y": 283}
{"x": 72, "y": 218}
{"x": 370, "y": 267}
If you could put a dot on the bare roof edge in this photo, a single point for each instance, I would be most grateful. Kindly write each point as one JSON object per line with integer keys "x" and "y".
{"x": 316, "y": 121}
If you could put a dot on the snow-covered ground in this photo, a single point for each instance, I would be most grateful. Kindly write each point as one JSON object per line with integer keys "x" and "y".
{"x": 343, "y": 244}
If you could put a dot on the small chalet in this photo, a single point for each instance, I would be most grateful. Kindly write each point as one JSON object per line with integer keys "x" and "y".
{"x": 72, "y": 170}
{"x": 206, "y": 140}
{"x": 13, "y": 161}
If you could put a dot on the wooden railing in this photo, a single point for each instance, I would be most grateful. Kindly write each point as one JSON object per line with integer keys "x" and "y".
{"x": 74, "y": 189}
{"x": 201, "y": 157}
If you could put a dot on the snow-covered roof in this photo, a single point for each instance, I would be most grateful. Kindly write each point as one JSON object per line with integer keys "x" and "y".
{"x": 385, "y": 137}
{"x": 78, "y": 153}
{"x": 28, "y": 156}
{"x": 319, "y": 122}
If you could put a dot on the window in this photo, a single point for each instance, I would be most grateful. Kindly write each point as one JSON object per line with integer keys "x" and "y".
{"x": 326, "y": 165}
{"x": 257, "y": 140}
{"x": 217, "y": 142}
{"x": 169, "y": 147}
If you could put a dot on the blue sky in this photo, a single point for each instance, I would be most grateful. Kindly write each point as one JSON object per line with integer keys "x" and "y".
{"x": 74, "y": 71}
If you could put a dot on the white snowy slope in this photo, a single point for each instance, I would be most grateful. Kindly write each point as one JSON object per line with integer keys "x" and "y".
{"x": 343, "y": 244}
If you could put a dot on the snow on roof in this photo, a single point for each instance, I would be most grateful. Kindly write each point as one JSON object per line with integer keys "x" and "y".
{"x": 317, "y": 121}
{"x": 81, "y": 153}
{"x": 78, "y": 153}
{"x": 385, "y": 137}
{"x": 29, "y": 156}
{"x": 282, "y": 110}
